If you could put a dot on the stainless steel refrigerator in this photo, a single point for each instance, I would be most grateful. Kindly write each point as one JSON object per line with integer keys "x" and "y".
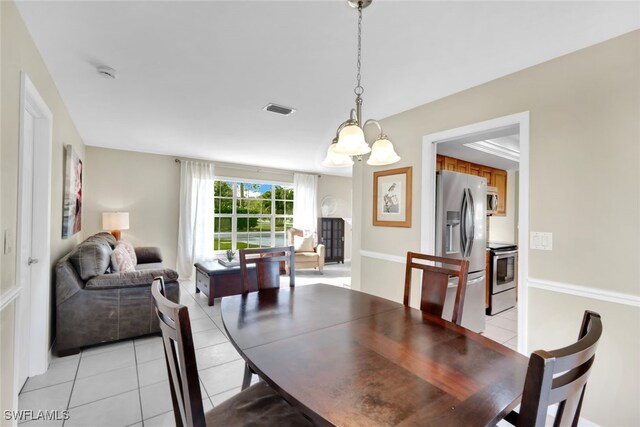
{"x": 461, "y": 234}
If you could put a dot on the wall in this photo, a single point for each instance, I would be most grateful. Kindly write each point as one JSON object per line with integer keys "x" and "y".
{"x": 505, "y": 228}
{"x": 584, "y": 187}
{"x": 145, "y": 185}
{"x": 18, "y": 53}
{"x": 148, "y": 187}
{"x": 340, "y": 189}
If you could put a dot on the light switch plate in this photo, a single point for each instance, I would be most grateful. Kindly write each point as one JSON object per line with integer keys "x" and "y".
{"x": 541, "y": 240}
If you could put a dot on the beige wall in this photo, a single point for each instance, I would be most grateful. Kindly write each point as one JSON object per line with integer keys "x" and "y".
{"x": 584, "y": 188}
{"x": 18, "y": 53}
{"x": 505, "y": 228}
{"x": 340, "y": 189}
{"x": 145, "y": 185}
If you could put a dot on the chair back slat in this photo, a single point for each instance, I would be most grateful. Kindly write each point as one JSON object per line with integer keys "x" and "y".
{"x": 435, "y": 281}
{"x": 560, "y": 376}
{"x": 267, "y": 262}
{"x": 180, "y": 358}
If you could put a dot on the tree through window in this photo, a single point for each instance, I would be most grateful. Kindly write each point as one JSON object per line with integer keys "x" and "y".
{"x": 251, "y": 215}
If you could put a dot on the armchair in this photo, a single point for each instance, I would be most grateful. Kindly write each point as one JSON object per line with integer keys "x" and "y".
{"x": 306, "y": 254}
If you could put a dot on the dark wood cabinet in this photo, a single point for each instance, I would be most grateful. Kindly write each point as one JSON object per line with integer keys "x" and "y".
{"x": 331, "y": 235}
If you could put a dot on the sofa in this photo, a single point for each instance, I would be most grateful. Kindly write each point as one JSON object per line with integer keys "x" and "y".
{"x": 307, "y": 253}
{"x": 100, "y": 298}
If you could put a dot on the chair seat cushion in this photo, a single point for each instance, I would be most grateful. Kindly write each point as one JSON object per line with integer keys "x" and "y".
{"x": 306, "y": 255}
{"x": 258, "y": 405}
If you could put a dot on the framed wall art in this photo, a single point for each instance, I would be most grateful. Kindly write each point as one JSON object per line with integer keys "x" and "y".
{"x": 72, "y": 207}
{"x": 392, "y": 197}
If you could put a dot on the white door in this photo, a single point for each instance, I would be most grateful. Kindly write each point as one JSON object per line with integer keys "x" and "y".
{"x": 33, "y": 268}
{"x": 25, "y": 236}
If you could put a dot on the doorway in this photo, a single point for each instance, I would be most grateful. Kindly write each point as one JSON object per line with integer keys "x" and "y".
{"x": 33, "y": 235}
{"x": 497, "y": 126}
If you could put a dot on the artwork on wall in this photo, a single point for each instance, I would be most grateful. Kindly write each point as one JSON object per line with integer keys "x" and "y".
{"x": 392, "y": 197}
{"x": 72, "y": 214}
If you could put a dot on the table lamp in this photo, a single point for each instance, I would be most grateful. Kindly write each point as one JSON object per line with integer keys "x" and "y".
{"x": 115, "y": 221}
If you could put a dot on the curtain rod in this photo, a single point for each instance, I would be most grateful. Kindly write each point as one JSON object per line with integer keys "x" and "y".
{"x": 252, "y": 168}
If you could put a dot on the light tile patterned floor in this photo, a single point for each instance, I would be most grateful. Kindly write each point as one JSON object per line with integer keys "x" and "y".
{"x": 125, "y": 383}
{"x": 503, "y": 328}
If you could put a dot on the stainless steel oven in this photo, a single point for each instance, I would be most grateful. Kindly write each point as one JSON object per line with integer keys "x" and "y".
{"x": 503, "y": 277}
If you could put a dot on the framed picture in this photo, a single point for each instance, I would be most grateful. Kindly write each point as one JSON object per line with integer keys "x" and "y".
{"x": 72, "y": 208}
{"x": 392, "y": 197}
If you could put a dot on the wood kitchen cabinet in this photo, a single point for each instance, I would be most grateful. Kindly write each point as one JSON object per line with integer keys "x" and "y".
{"x": 500, "y": 182}
{"x": 495, "y": 177}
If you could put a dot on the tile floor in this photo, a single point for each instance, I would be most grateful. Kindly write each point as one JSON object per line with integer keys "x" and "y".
{"x": 125, "y": 383}
{"x": 503, "y": 328}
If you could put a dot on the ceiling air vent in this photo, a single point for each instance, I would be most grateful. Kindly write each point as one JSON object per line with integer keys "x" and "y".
{"x": 279, "y": 109}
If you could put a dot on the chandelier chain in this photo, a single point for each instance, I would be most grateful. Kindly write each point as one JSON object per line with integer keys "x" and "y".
{"x": 359, "y": 90}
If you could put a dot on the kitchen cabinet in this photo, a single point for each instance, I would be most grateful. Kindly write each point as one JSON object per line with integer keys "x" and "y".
{"x": 500, "y": 182}
{"x": 495, "y": 177}
{"x": 331, "y": 234}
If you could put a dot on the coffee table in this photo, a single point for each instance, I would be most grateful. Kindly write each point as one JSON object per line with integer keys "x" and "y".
{"x": 215, "y": 280}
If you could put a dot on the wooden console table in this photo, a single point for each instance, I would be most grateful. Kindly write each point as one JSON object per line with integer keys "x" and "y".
{"x": 215, "y": 280}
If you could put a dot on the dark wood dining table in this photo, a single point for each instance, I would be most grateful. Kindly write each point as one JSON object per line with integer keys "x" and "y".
{"x": 347, "y": 358}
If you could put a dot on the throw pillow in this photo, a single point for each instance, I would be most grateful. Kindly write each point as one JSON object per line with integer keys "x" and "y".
{"x": 121, "y": 261}
{"x": 303, "y": 244}
{"x": 132, "y": 252}
{"x": 91, "y": 259}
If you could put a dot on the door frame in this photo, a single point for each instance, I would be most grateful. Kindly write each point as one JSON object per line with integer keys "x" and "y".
{"x": 428, "y": 200}
{"x": 36, "y": 304}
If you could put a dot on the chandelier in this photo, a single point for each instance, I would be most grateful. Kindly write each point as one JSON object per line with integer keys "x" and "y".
{"x": 349, "y": 140}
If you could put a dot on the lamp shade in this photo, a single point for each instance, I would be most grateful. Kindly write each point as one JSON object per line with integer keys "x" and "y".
{"x": 335, "y": 160}
{"x": 382, "y": 153}
{"x": 115, "y": 220}
{"x": 351, "y": 141}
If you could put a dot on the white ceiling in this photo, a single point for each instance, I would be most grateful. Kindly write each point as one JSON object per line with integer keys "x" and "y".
{"x": 192, "y": 77}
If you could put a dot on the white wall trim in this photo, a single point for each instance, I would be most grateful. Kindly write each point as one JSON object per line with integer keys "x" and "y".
{"x": 585, "y": 292}
{"x": 384, "y": 257}
{"x": 8, "y": 297}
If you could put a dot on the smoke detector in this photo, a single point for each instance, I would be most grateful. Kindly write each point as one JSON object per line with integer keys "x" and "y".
{"x": 279, "y": 109}
{"x": 106, "y": 72}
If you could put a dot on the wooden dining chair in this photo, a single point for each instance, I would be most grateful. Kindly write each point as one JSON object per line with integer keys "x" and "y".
{"x": 267, "y": 262}
{"x": 559, "y": 376}
{"x": 435, "y": 280}
{"x": 258, "y": 405}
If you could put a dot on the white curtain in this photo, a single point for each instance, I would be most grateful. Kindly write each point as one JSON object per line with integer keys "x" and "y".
{"x": 305, "y": 214}
{"x": 195, "y": 226}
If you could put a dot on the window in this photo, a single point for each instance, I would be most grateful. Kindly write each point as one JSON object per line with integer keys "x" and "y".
{"x": 251, "y": 215}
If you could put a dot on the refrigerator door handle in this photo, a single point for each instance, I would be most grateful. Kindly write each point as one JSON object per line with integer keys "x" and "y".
{"x": 463, "y": 224}
{"x": 472, "y": 233}
{"x": 473, "y": 281}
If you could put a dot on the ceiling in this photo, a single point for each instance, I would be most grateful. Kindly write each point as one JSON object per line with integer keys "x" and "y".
{"x": 507, "y": 137}
{"x": 192, "y": 77}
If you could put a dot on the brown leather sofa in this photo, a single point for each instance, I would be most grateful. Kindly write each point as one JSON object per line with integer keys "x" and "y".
{"x": 95, "y": 306}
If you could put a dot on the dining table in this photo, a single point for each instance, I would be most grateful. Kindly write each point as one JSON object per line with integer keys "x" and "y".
{"x": 348, "y": 358}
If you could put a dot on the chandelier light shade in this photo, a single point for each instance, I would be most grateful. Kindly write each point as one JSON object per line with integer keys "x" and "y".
{"x": 350, "y": 140}
{"x": 382, "y": 153}
{"x": 335, "y": 160}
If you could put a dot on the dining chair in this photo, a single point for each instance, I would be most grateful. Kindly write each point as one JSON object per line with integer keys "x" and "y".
{"x": 435, "y": 280}
{"x": 258, "y": 405}
{"x": 559, "y": 376}
{"x": 267, "y": 261}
